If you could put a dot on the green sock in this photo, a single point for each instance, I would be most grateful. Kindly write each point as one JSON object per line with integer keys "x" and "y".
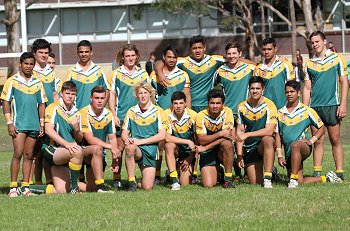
{"x": 340, "y": 173}
{"x": 74, "y": 174}
{"x": 38, "y": 189}
{"x": 317, "y": 171}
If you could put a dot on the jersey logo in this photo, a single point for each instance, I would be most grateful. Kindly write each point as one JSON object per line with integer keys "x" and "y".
{"x": 135, "y": 117}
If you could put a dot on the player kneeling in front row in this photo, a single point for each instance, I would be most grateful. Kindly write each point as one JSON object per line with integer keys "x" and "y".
{"x": 293, "y": 121}
{"x": 97, "y": 125}
{"x": 61, "y": 144}
{"x": 144, "y": 127}
{"x": 215, "y": 132}
{"x": 256, "y": 124}
{"x": 180, "y": 149}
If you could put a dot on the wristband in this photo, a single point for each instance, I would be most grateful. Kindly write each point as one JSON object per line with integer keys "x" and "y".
{"x": 313, "y": 139}
{"x": 279, "y": 152}
{"x": 9, "y": 122}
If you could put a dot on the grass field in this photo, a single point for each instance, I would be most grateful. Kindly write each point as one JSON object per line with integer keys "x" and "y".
{"x": 310, "y": 207}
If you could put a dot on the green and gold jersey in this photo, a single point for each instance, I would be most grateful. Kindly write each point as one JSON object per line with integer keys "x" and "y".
{"x": 324, "y": 75}
{"x": 178, "y": 81}
{"x": 122, "y": 83}
{"x": 85, "y": 81}
{"x": 100, "y": 126}
{"x": 50, "y": 82}
{"x": 235, "y": 83}
{"x": 293, "y": 125}
{"x": 275, "y": 78}
{"x": 201, "y": 76}
{"x": 183, "y": 128}
{"x": 57, "y": 115}
{"x": 24, "y": 97}
{"x": 256, "y": 118}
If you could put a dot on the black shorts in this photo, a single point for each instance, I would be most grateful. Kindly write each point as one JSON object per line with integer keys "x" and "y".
{"x": 328, "y": 114}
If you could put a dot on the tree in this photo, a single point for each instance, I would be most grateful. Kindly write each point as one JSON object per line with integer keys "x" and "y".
{"x": 12, "y": 15}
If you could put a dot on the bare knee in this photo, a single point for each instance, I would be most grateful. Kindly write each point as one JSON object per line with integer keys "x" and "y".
{"x": 268, "y": 141}
{"x": 335, "y": 141}
{"x": 294, "y": 146}
{"x": 226, "y": 145}
{"x": 130, "y": 150}
{"x": 169, "y": 148}
{"x": 97, "y": 151}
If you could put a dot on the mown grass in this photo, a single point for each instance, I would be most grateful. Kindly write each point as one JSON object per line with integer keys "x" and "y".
{"x": 310, "y": 207}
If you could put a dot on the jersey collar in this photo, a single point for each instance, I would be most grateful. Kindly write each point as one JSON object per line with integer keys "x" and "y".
{"x": 138, "y": 110}
{"x": 315, "y": 58}
{"x": 265, "y": 67}
{"x": 185, "y": 116}
{"x": 92, "y": 113}
{"x": 172, "y": 72}
{"x": 39, "y": 69}
{"x": 21, "y": 79}
{"x": 73, "y": 110}
{"x": 285, "y": 111}
{"x": 80, "y": 69}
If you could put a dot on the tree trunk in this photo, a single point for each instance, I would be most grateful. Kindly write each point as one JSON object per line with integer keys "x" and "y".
{"x": 263, "y": 32}
{"x": 309, "y": 24}
{"x": 294, "y": 31}
{"x": 12, "y": 34}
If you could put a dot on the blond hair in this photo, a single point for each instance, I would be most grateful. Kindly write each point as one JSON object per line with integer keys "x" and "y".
{"x": 147, "y": 87}
{"x": 120, "y": 54}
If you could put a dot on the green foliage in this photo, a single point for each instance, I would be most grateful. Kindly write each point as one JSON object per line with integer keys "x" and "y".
{"x": 192, "y": 7}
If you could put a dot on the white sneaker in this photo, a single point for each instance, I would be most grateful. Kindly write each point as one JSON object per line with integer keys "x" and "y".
{"x": 26, "y": 192}
{"x": 267, "y": 183}
{"x": 333, "y": 178}
{"x": 293, "y": 183}
{"x": 14, "y": 192}
{"x": 175, "y": 186}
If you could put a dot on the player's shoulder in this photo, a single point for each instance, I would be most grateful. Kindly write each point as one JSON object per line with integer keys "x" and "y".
{"x": 227, "y": 110}
{"x": 84, "y": 110}
{"x": 270, "y": 103}
{"x": 192, "y": 113}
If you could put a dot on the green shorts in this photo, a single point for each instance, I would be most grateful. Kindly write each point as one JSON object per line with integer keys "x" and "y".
{"x": 252, "y": 155}
{"x": 199, "y": 108}
{"x": 30, "y": 133}
{"x": 209, "y": 158}
{"x": 48, "y": 153}
{"x": 149, "y": 155}
{"x": 328, "y": 114}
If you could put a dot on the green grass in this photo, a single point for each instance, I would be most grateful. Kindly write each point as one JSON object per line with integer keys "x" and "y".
{"x": 310, "y": 207}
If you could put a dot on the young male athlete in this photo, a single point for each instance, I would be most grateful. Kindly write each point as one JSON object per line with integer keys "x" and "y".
{"x": 122, "y": 82}
{"x": 180, "y": 148}
{"x": 98, "y": 129}
{"x": 178, "y": 79}
{"x": 86, "y": 75}
{"x": 24, "y": 109}
{"x": 294, "y": 119}
{"x": 144, "y": 127}
{"x": 51, "y": 60}
{"x": 255, "y": 141}
{"x": 215, "y": 132}
{"x": 323, "y": 73}
{"x": 275, "y": 72}
{"x": 61, "y": 144}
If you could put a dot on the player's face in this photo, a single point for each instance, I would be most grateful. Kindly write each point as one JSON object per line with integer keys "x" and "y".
{"x": 215, "y": 106}
{"x": 129, "y": 58}
{"x": 170, "y": 59}
{"x": 52, "y": 62}
{"x": 84, "y": 54}
{"x": 41, "y": 55}
{"x": 68, "y": 97}
{"x": 198, "y": 50}
{"x": 269, "y": 51}
{"x": 233, "y": 55}
{"x": 179, "y": 106}
{"x": 98, "y": 100}
{"x": 292, "y": 95}
{"x": 256, "y": 90}
{"x": 143, "y": 96}
{"x": 318, "y": 45}
{"x": 27, "y": 67}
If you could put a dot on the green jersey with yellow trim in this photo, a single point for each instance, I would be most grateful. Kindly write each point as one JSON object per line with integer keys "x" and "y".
{"x": 85, "y": 81}
{"x": 178, "y": 81}
{"x": 100, "y": 126}
{"x": 235, "y": 83}
{"x": 324, "y": 75}
{"x": 293, "y": 126}
{"x": 256, "y": 118}
{"x": 50, "y": 82}
{"x": 183, "y": 128}
{"x": 57, "y": 115}
{"x": 275, "y": 78}
{"x": 122, "y": 83}
{"x": 24, "y": 97}
{"x": 201, "y": 75}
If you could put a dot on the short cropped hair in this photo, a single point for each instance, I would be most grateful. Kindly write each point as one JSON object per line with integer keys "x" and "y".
{"x": 216, "y": 93}
{"x": 69, "y": 85}
{"x": 320, "y": 33}
{"x": 178, "y": 95}
{"x": 26, "y": 55}
{"x": 269, "y": 40}
{"x": 84, "y": 43}
{"x": 98, "y": 89}
{"x": 256, "y": 79}
{"x": 294, "y": 84}
{"x": 197, "y": 39}
{"x": 172, "y": 49}
{"x": 52, "y": 55}
{"x": 233, "y": 45}
{"x": 40, "y": 44}
{"x": 147, "y": 87}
